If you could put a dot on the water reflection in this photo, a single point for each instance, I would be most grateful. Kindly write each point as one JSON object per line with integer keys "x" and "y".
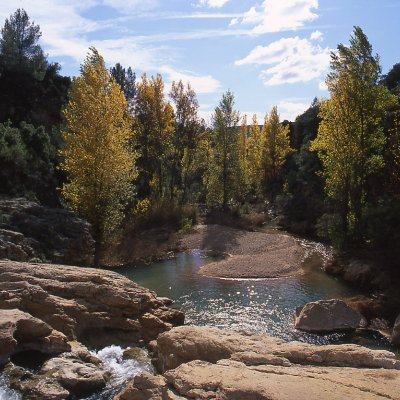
{"x": 263, "y": 306}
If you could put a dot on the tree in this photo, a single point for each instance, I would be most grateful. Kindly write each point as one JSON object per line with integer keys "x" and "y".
{"x": 276, "y": 149}
{"x": 127, "y": 80}
{"x": 187, "y": 134}
{"x": 97, "y": 157}
{"x": 224, "y": 166}
{"x": 255, "y": 156}
{"x": 350, "y": 137}
{"x": 154, "y": 129}
{"x": 19, "y": 48}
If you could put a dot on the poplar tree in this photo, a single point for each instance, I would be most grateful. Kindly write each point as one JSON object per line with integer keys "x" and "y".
{"x": 255, "y": 156}
{"x": 350, "y": 137}
{"x": 224, "y": 167}
{"x": 275, "y": 150}
{"x": 97, "y": 157}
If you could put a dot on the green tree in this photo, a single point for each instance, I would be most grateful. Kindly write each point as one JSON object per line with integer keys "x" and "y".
{"x": 97, "y": 157}
{"x": 350, "y": 137}
{"x": 224, "y": 167}
{"x": 187, "y": 134}
{"x": 276, "y": 148}
{"x": 154, "y": 130}
{"x": 19, "y": 48}
{"x": 127, "y": 80}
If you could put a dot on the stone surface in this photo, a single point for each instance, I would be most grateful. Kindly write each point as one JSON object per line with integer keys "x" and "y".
{"x": 30, "y": 231}
{"x": 396, "y": 332}
{"x": 72, "y": 374}
{"x": 209, "y": 363}
{"x": 186, "y": 343}
{"x": 328, "y": 316}
{"x": 20, "y": 332}
{"x": 97, "y": 307}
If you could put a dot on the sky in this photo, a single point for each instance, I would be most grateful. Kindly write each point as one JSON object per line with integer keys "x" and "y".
{"x": 267, "y": 52}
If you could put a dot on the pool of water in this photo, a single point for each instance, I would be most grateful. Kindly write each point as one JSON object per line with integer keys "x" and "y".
{"x": 260, "y": 305}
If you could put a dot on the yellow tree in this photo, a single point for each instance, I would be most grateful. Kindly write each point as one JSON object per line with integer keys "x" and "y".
{"x": 97, "y": 157}
{"x": 276, "y": 149}
{"x": 255, "y": 155}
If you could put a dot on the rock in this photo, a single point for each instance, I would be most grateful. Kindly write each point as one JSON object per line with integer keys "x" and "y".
{"x": 209, "y": 363}
{"x": 187, "y": 343}
{"x": 20, "y": 332}
{"x": 78, "y": 377}
{"x": 136, "y": 353}
{"x": 396, "y": 332}
{"x": 76, "y": 373}
{"x": 96, "y": 307}
{"x": 31, "y": 231}
{"x": 146, "y": 386}
{"x": 328, "y": 316}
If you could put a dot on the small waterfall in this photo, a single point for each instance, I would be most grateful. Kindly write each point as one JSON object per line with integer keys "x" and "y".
{"x": 122, "y": 370}
{"x": 5, "y": 392}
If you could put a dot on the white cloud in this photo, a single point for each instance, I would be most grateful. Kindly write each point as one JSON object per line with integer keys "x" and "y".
{"x": 322, "y": 86}
{"x": 212, "y": 3}
{"x": 129, "y": 6}
{"x": 316, "y": 35}
{"x": 234, "y": 21}
{"x": 200, "y": 83}
{"x": 280, "y": 15}
{"x": 293, "y": 60}
{"x": 290, "y": 110}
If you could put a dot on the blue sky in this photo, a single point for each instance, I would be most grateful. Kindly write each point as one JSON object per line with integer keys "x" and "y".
{"x": 268, "y": 52}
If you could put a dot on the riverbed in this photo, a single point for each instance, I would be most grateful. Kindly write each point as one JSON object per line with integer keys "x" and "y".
{"x": 264, "y": 306}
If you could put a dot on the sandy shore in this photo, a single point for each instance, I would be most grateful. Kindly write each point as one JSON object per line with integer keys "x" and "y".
{"x": 251, "y": 254}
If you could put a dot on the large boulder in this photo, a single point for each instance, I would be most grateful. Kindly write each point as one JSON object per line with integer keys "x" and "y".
{"x": 209, "y": 363}
{"x": 30, "y": 231}
{"x": 20, "y": 332}
{"x": 97, "y": 307}
{"x": 396, "y": 332}
{"x": 328, "y": 316}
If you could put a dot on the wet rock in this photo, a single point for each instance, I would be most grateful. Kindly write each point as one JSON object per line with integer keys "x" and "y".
{"x": 96, "y": 307}
{"x": 73, "y": 374}
{"x": 328, "y": 316}
{"x": 30, "y": 231}
{"x": 21, "y": 332}
{"x": 396, "y": 332}
{"x": 136, "y": 353}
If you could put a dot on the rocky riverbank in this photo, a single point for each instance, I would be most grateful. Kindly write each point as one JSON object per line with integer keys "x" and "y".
{"x": 209, "y": 363}
{"x": 50, "y": 313}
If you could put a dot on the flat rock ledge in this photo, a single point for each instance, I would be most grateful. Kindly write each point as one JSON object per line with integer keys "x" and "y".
{"x": 96, "y": 307}
{"x": 49, "y": 313}
{"x": 209, "y": 363}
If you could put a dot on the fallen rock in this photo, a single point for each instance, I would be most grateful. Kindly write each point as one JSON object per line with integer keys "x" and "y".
{"x": 96, "y": 307}
{"x": 328, "y": 316}
{"x": 210, "y": 363}
{"x": 396, "y": 332}
{"x": 31, "y": 231}
{"x": 20, "y": 332}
